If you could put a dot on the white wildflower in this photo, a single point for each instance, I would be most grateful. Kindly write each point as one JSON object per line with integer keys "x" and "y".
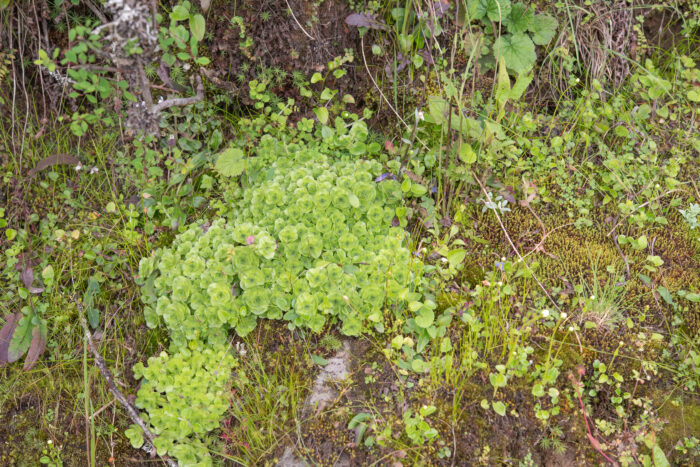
{"x": 545, "y": 313}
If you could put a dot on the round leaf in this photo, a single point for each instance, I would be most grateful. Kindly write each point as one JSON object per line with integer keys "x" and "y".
{"x": 231, "y": 162}
{"x": 517, "y": 50}
{"x": 543, "y": 28}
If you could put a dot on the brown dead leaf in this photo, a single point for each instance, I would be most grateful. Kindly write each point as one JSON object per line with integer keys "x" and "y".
{"x": 530, "y": 192}
{"x": 55, "y": 159}
{"x": 36, "y": 348}
{"x": 6, "y": 335}
{"x": 27, "y": 277}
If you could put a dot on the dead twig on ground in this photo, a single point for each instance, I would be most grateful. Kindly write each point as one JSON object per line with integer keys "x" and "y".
{"x": 131, "y": 411}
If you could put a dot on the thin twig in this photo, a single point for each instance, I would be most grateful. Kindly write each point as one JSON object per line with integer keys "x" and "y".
{"x": 180, "y": 101}
{"x": 512, "y": 245}
{"x": 640, "y": 207}
{"x": 297, "y": 21}
{"x": 364, "y": 59}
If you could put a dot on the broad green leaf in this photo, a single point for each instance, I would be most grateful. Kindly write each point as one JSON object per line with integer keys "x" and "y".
{"x": 315, "y": 78}
{"x": 322, "y": 115}
{"x": 518, "y": 51}
{"x": 543, "y": 28}
{"x": 419, "y": 365}
{"x": 231, "y": 162}
{"x": 666, "y": 295}
{"x": 425, "y": 318}
{"x": 318, "y": 360}
{"x": 456, "y": 257}
{"x": 500, "y": 408}
{"x": 179, "y": 13}
{"x": 519, "y": 19}
{"x": 197, "y": 26}
{"x": 521, "y": 83}
{"x": 418, "y": 190}
{"x": 659, "y": 457}
{"x": 537, "y": 390}
{"x": 437, "y": 108}
{"x": 21, "y": 339}
{"x": 467, "y": 153}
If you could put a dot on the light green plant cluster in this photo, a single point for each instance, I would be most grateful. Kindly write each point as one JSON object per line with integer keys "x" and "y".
{"x": 184, "y": 395}
{"x": 311, "y": 241}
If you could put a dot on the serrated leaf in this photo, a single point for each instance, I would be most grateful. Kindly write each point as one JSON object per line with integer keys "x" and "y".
{"x": 519, "y": 19}
{"x": 494, "y": 10}
{"x": 231, "y": 162}
{"x": 21, "y": 339}
{"x": 543, "y": 28}
{"x": 36, "y": 347}
{"x": 198, "y": 26}
{"x": 6, "y": 335}
{"x": 517, "y": 50}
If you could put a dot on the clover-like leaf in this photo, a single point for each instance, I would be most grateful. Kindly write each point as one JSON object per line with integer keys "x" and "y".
{"x": 543, "y": 28}
{"x": 519, "y": 19}
{"x": 517, "y": 50}
{"x": 231, "y": 162}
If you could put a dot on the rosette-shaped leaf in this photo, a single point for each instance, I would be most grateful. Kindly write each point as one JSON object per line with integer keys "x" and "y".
{"x": 257, "y": 299}
{"x": 288, "y": 234}
{"x": 244, "y": 258}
